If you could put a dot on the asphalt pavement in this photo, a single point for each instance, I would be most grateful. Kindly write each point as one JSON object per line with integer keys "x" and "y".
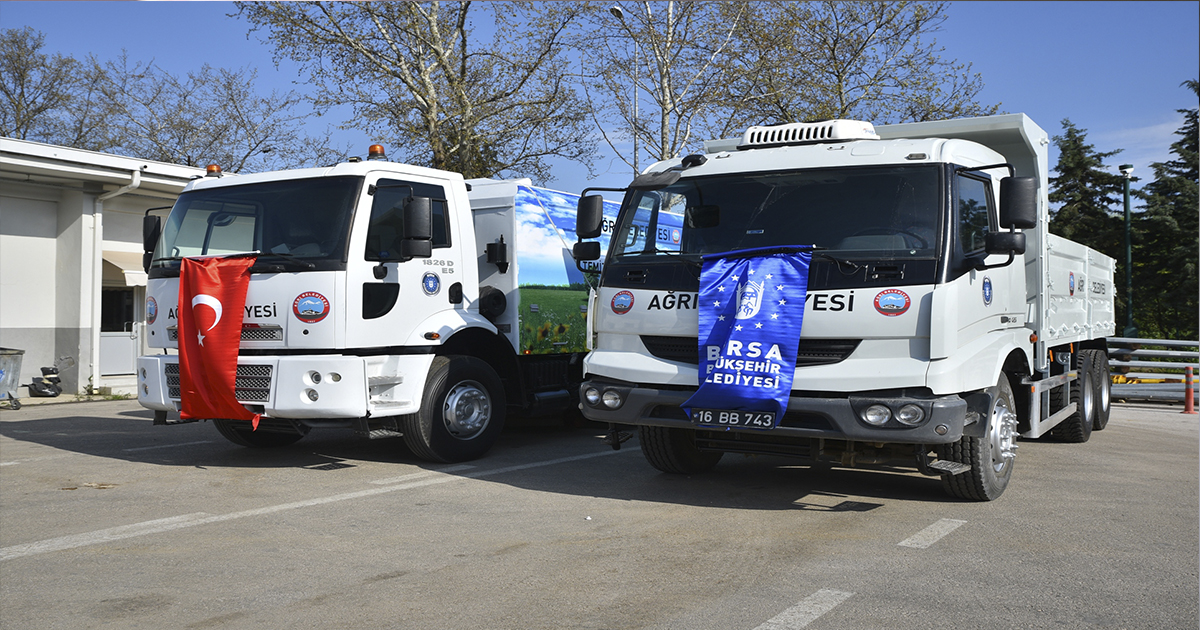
{"x": 109, "y": 522}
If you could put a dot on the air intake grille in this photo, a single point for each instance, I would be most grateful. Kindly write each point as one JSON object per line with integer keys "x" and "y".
{"x": 250, "y": 332}
{"x": 811, "y": 351}
{"x": 253, "y": 383}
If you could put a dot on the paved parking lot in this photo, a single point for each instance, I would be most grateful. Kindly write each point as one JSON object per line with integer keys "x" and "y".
{"x": 109, "y": 522}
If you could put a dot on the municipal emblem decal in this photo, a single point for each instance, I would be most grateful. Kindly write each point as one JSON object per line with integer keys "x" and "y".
{"x": 750, "y": 297}
{"x": 622, "y": 302}
{"x": 310, "y": 307}
{"x": 151, "y": 310}
{"x": 892, "y": 302}
{"x": 431, "y": 283}
{"x": 987, "y": 291}
{"x": 1071, "y": 283}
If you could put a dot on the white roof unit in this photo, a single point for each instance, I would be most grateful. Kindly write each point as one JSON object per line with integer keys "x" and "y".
{"x": 803, "y": 133}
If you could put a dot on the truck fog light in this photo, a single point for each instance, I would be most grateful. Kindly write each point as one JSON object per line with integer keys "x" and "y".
{"x": 145, "y": 389}
{"x": 612, "y": 399}
{"x": 315, "y": 377}
{"x": 877, "y": 415}
{"x": 335, "y": 377}
{"x": 592, "y": 396}
{"x": 312, "y": 394}
{"x": 143, "y": 373}
{"x": 911, "y": 415}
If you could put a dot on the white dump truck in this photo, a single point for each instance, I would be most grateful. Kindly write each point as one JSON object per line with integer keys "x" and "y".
{"x": 385, "y": 298}
{"x": 940, "y": 319}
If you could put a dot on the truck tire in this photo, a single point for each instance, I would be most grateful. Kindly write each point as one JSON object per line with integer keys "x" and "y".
{"x": 990, "y": 457}
{"x": 674, "y": 451}
{"x": 1077, "y": 427}
{"x": 462, "y": 411}
{"x": 240, "y": 433}
{"x": 1102, "y": 384}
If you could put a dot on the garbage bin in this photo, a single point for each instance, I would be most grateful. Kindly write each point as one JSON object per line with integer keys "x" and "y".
{"x": 10, "y": 375}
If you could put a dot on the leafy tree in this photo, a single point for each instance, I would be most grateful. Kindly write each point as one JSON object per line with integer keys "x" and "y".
{"x": 1165, "y": 257}
{"x": 874, "y": 61}
{"x": 421, "y": 75}
{"x": 1086, "y": 195}
{"x": 138, "y": 109}
{"x": 680, "y": 49}
{"x": 711, "y": 69}
{"x": 212, "y": 115}
{"x": 49, "y": 98}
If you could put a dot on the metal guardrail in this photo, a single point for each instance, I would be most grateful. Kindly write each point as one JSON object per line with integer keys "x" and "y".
{"x": 1158, "y": 379}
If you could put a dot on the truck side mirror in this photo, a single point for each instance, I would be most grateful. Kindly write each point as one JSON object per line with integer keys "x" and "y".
{"x": 589, "y": 250}
{"x": 1004, "y": 243}
{"x": 418, "y": 219}
{"x": 151, "y": 230}
{"x": 1018, "y": 202}
{"x": 589, "y": 217}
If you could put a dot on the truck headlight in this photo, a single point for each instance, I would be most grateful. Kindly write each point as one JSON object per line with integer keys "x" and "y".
{"x": 877, "y": 415}
{"x": 612, "y": 399}
{"x": 911, "y": 415}
{"x": 592, "y": 396}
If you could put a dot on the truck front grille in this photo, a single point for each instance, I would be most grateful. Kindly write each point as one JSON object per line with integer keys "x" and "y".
{"x": 253, "y": 384}
{"x": 250, "y": 332}
{"x": 810, "y": 352}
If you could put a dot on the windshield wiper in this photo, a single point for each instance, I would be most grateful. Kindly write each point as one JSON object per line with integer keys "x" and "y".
{"x": 292, "y": 258}
{"x": 854, "y": 267}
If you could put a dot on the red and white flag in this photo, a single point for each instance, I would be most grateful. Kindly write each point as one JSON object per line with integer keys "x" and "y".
{"x": 212, "y": 297}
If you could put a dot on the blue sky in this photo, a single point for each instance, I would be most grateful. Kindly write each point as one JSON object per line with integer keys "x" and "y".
{"x": 1113, "y": 68}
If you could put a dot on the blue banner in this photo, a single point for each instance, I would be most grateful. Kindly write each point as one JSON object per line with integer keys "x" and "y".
{"x": 751, "y": 310}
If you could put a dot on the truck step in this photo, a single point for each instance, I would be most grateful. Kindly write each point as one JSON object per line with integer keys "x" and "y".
{"x": 954, "y": 468}
{"x": 379, "y": 434}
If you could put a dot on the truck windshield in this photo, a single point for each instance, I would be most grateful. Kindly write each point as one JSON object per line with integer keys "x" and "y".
{"x": 876, "y": 212}
{"x": 296, "y": 220}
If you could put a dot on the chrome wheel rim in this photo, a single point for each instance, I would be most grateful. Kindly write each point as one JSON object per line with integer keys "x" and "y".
{"x": 1003, "y": 436}
{"x": 467, "y": 410}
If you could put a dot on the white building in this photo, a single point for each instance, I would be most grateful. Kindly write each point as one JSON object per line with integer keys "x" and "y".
{"x": 72, "y": 288}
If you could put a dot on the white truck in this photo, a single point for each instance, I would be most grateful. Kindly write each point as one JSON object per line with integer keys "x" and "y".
{"x": 386, "y": 298}
{"x": 934, "y": 333}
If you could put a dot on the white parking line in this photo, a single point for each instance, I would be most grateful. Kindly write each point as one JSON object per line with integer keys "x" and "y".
{"x": 806, "y": 610}
{"x": 151, "y": 448}
{"x": 35, "y": 459}
{"x": 200, "y": 518}
{"x": 418, "y": 475}
{"x": 926, "y": 537}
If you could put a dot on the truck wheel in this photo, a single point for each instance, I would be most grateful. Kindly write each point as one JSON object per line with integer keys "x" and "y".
{"x": 1077, "y": 428}
{"x": 240, "y": 433}
{"x": 990, "y": 458}
{"x": 1102, "y": 386}
{"x": 462, "y": 411}
{"x": 674, "y": 451}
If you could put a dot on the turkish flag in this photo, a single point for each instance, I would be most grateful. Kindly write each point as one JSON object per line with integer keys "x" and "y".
{"x": 212, "y": 298}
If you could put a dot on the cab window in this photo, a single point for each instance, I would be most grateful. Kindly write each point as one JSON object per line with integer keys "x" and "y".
{"x": 973, "y": 205}
{"x": 387, "y": 216}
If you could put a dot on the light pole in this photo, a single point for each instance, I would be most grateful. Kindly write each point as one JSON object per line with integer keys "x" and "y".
{"x": 620, "y": 15}
{"x": 1130, "y": 331}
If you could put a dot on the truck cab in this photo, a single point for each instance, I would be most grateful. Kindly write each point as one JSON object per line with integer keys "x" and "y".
{"x": 917, "y": 318}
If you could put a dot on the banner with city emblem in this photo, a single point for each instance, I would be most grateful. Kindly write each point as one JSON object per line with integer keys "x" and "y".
{"x": 751, "y": 311}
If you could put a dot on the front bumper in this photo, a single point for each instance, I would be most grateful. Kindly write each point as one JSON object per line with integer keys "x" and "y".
{"x": 806, "y": 416}
{"x": 303, "y": 386}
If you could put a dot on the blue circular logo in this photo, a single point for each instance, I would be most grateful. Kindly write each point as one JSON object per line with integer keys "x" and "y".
{"x": 987, "y": 291}
{"x": 431, "y": 283}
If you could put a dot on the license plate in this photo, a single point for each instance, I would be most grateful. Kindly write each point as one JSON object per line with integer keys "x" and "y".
{"x": 731, "y": 418}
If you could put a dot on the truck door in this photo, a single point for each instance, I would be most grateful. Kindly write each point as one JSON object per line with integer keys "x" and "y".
{"x": 387, "y": 298}
{"x": 975, "y": 302}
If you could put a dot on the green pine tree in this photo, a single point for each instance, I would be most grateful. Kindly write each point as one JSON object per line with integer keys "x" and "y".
{"x": 1091, "y": 209}
{"x": 1165, "y": 256}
